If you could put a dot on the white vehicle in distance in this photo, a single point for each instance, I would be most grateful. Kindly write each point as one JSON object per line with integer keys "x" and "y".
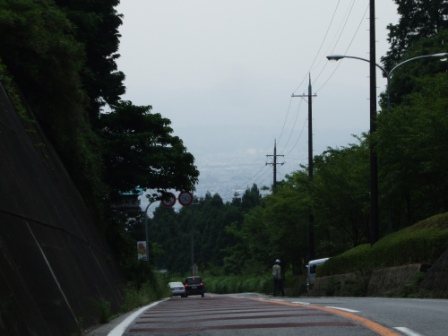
{"x": 311, "y": 271}
{"x": 177, "y": 288}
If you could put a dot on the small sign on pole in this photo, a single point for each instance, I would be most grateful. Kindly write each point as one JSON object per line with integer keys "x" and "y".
{"x": 141, "y": 250}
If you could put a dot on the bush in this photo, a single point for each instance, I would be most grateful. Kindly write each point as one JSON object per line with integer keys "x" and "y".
{"x": 238, "y": 284}
{"x": 150, "y": 291}
{"x": 422, "y": 243}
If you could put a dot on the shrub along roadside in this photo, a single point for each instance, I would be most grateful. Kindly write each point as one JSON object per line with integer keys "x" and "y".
{"x": 422, "y": 243}
{"x": 294, "y": 285}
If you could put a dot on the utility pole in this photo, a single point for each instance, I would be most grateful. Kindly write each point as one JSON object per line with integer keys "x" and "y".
{"x": 374, "y": 217}
{"x": 311, "y": 248}
{"x": 274, "y": 163}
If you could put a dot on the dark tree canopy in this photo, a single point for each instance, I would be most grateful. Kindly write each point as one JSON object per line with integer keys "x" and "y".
{"x": 58, "y": 59}
{"x": 418, "y": 19}
{"x": 140, "y": 150}
{"x": 96, "y": 27}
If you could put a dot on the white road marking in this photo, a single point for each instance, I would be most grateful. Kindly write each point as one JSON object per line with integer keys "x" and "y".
{"x": 120, "y": 329}
{"x": 302, "y": 303}
{"x": 407, "y": 331}
{"x": 344, "y": 309}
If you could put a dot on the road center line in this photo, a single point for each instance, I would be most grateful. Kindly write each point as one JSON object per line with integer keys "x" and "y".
{"x": 407, "y": 331}
{"x": 344, "y": 309}
{"x": 375, "y": 327}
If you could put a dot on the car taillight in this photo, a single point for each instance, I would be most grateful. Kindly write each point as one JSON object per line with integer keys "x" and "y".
{"x": 201, "y": 284}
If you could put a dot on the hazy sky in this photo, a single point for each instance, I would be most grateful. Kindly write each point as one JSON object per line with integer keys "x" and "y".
{"x": 223, "y": 72}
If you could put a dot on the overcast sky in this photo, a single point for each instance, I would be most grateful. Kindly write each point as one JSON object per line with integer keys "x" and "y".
{"x": 223, "y": 72}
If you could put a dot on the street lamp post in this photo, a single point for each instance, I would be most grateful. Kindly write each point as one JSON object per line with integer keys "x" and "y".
{"x": 373, "y": 158}
{"x": 388, "y": 74}
{"x": 193, "y": 268}
{"x": 152, "y": 199}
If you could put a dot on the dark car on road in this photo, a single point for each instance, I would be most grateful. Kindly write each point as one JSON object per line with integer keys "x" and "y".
{"x": 194, "y": 286}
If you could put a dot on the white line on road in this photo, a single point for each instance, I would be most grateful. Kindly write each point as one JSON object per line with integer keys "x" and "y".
{"x": 344, "y": 309}
{"x": 119, "y": 329}
{"x": 407, "y": 331}
{"x": 302, "y": 303}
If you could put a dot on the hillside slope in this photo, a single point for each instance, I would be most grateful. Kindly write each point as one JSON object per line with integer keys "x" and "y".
{"x": 54, "y": 263}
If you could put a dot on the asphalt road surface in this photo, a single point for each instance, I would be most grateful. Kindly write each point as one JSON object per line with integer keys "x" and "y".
{"x": 259, "y": 315}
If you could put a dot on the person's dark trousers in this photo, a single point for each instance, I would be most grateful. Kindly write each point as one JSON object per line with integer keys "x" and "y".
{"x": 278, "y": 287}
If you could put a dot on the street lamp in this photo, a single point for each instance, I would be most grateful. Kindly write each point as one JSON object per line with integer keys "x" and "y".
{"x": 388, "y": 74}
{"x": 193, "y": 268}
{"x": 152, "y": 199}
{"x": 373, "y": 157}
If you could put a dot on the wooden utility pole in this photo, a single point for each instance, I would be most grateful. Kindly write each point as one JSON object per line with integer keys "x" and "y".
{"x": 274, "y": 163}
{"x": 374, "y": 225}
{"x": 311, "y": 247}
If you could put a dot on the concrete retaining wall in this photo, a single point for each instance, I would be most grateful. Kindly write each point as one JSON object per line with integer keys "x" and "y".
{"x": 391, "y": 281}
{"x": 54, "y": 262}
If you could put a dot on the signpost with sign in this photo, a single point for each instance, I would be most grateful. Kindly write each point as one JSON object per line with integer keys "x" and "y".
{"x": 141, "y": 250}
{"x": 167, "y": 199}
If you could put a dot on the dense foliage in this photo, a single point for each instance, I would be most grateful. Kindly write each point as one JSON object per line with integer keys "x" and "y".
{"x": 57, "y": 63}
{"x": 423, "y": 242}
{"x": 418, "y": 19}
{"x": 58, "y": 59}
{"x": 139, "y": 150}
{"x": 411, "y": 141}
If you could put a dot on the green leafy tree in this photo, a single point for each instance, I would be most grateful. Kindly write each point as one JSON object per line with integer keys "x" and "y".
{"x": 286, "y": 216}
{"x": 167, "y": 231}
{"x": 418, "y": 19}
{"x": 44, "y": 60}
{"x": 411, "y": 135}
{"x": 97, "y": 24}
{"x": 402, "y": 79}
{"x": 140, "y": 150}
{"x": 341, "y": 193}
{"x": 251, "y": 198}
{"x": 412, "y": 143}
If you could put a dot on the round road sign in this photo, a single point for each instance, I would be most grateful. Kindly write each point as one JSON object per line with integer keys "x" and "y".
{"x": 185, "y": 198}
{"x": 168, "y": 200}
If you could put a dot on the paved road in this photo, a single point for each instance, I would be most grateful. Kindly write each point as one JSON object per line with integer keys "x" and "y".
{"x": 246, "y": 314}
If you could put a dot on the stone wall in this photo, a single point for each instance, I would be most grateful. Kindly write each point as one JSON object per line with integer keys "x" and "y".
{"x": 435, "y": 282}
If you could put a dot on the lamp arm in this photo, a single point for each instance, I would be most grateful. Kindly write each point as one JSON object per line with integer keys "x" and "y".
{"x": 441, "y": 55}
{"x": 368, "y": 61}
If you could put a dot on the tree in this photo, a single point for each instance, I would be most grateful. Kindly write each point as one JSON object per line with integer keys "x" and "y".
{"x": 250, "y": 198}
{"x": 341, "y": 194}
{"x": 412, "y": 143}
{"x": 140, "y": 150}
{"x": 286, "y": 220}
{"x": 418, "y": 19}
{"x": 43, "y": 60}
{"x": 411, "y": 134}
{"x": 97, "y": 24}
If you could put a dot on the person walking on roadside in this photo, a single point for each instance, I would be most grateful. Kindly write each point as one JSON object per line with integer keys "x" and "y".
{"x": 278, "y": 280}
